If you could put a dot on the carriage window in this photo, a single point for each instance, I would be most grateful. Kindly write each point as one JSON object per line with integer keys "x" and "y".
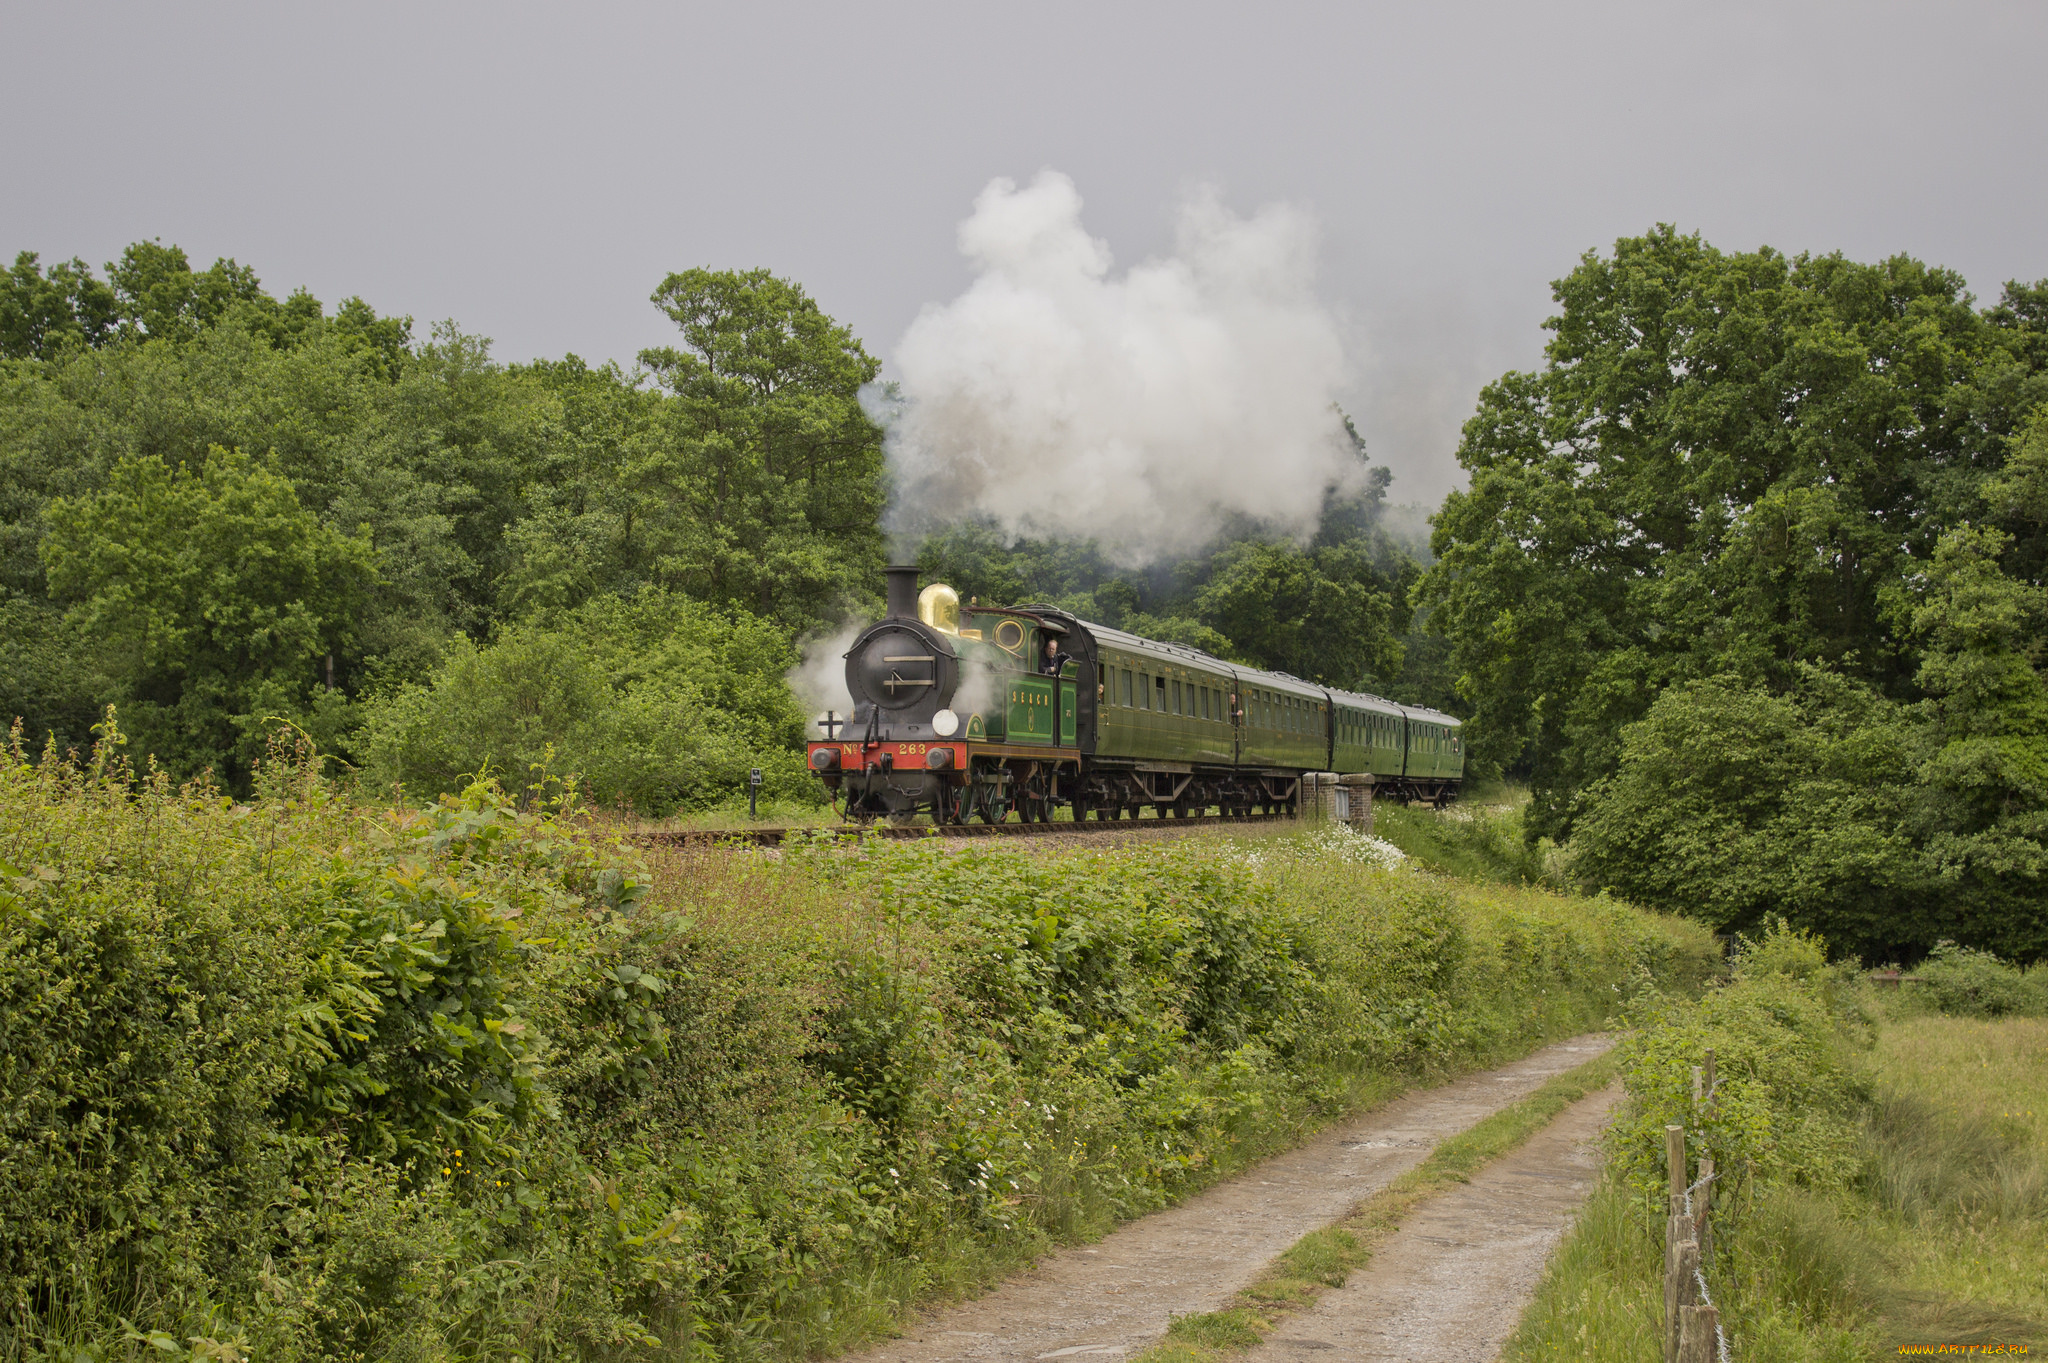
{"x": 1127, "y": 686}
{"x": 1144, "y": 691}
{"x": 1176, "y": 698}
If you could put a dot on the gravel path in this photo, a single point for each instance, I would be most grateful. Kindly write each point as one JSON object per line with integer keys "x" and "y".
{"x": 1113, "y": 1299}
{"x": 1452, "y": 1281}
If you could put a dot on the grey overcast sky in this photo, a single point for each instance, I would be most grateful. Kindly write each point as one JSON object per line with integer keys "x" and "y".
{"x": 532, "y": 171}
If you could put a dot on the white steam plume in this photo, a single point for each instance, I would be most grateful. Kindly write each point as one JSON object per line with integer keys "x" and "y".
{"x": 819, "y": 680}
{"x": 1143, "y": 410}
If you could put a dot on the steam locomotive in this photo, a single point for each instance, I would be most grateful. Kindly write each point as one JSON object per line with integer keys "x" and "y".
{"x": 981, "y": 712}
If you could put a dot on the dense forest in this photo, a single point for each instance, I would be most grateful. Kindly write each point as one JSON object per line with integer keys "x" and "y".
{"x": 1746, "y": 584}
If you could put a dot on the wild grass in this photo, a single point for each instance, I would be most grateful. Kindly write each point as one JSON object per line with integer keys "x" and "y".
{"x": 1479, "y": 838}
{"x": 1938, "y": 1237}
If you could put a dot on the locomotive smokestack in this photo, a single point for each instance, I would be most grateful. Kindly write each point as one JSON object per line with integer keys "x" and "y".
{"x": 902, "y": 592}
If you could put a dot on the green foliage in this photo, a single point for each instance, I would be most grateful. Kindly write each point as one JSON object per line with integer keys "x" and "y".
{"x": 303, "y": 1079}
{"x": 773, "y": 471}
{"x": 1987, "y": 775}
{"x": 201, "y": 586}
{"x": 42, "y": 313}
{"x": 1474, "y": 839}
{"x": 262, "y": 1061}
{"x": 1926, "y": 1238}
{"x": 748, "y": 479}
{"x": 1744, "y": 471}
{"x": 1734, "y": 804}
{"x": 1785, "y": 1110}
{"x": 1970, "y": 983}
{"x": 658, "y": 705}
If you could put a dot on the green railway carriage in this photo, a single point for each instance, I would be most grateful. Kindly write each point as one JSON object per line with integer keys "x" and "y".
{"x": 1369, "y": 735}
{"x": 976, "y": 711}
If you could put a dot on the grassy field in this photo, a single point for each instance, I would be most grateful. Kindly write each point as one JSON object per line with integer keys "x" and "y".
{"x": 1931, "y": 1229}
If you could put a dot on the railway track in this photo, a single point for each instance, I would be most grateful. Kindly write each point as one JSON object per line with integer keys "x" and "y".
{"x": 773, "y": 837}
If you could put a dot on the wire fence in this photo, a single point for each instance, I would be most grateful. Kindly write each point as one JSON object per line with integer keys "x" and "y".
{"x": 1692, "y": 1323}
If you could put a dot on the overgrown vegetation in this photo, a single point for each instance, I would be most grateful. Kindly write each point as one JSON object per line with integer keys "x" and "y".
{"x": 1884, "y": 1172}
{"x": 293, "y": 1078}
{"x": 1483, "y": 837}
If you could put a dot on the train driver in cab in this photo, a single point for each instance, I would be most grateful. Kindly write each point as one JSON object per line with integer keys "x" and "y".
{"x": 1053, "y": 656}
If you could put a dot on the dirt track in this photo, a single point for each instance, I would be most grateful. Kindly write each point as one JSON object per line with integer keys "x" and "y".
{"x": 1113, "y": 1299}
{"x": 1452, "y": 1281}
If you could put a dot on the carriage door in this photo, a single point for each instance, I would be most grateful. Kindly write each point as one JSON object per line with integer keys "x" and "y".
{"x": 1238, "y": 706}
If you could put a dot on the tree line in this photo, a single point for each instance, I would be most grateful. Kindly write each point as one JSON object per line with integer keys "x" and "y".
{"x": 223, "y": 511}
{"x": 219, "y": 509}
{"x": 1747, "y": 585}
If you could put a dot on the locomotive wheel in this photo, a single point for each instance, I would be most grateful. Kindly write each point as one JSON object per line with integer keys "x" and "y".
{"x": 991, "y": 803}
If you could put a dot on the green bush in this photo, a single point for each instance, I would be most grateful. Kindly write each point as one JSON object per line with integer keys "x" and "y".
{"x": 657, "y": 704}
{"x": 1786, "y": 1109}
{"x": 1972, "y": 983}
{"x": 240, "y": 1040}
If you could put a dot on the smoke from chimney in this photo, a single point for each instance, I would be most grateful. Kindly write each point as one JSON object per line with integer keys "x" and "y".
{"x": 1144, "y": 410}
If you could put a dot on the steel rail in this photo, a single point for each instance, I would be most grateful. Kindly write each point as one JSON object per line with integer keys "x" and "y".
{"x": 774, "y": 837}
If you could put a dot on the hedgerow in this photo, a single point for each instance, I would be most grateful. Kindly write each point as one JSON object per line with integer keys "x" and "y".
{"x": 300, "y": 1078}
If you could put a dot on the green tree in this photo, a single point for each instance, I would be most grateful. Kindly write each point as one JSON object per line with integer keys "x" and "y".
{"x": 205, "y": 585}
{"x": 1736, "y": 804}
{"x": 658, "y": 703}
{"x": 1987, "y": 775}
{"x": 42, "y": 313}
{"x": 1730, "y": 464}
{"x": 762, "y": 486}
{"x": 1324, "y": 615}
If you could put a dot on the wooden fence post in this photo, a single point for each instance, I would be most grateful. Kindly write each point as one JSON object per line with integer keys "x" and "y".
{"x": 1681, "y": 1249}
{"x": 1697, "y": 1329}
{"x": 1681, "y": 1290}
{"x": 1674, "y": 1164}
